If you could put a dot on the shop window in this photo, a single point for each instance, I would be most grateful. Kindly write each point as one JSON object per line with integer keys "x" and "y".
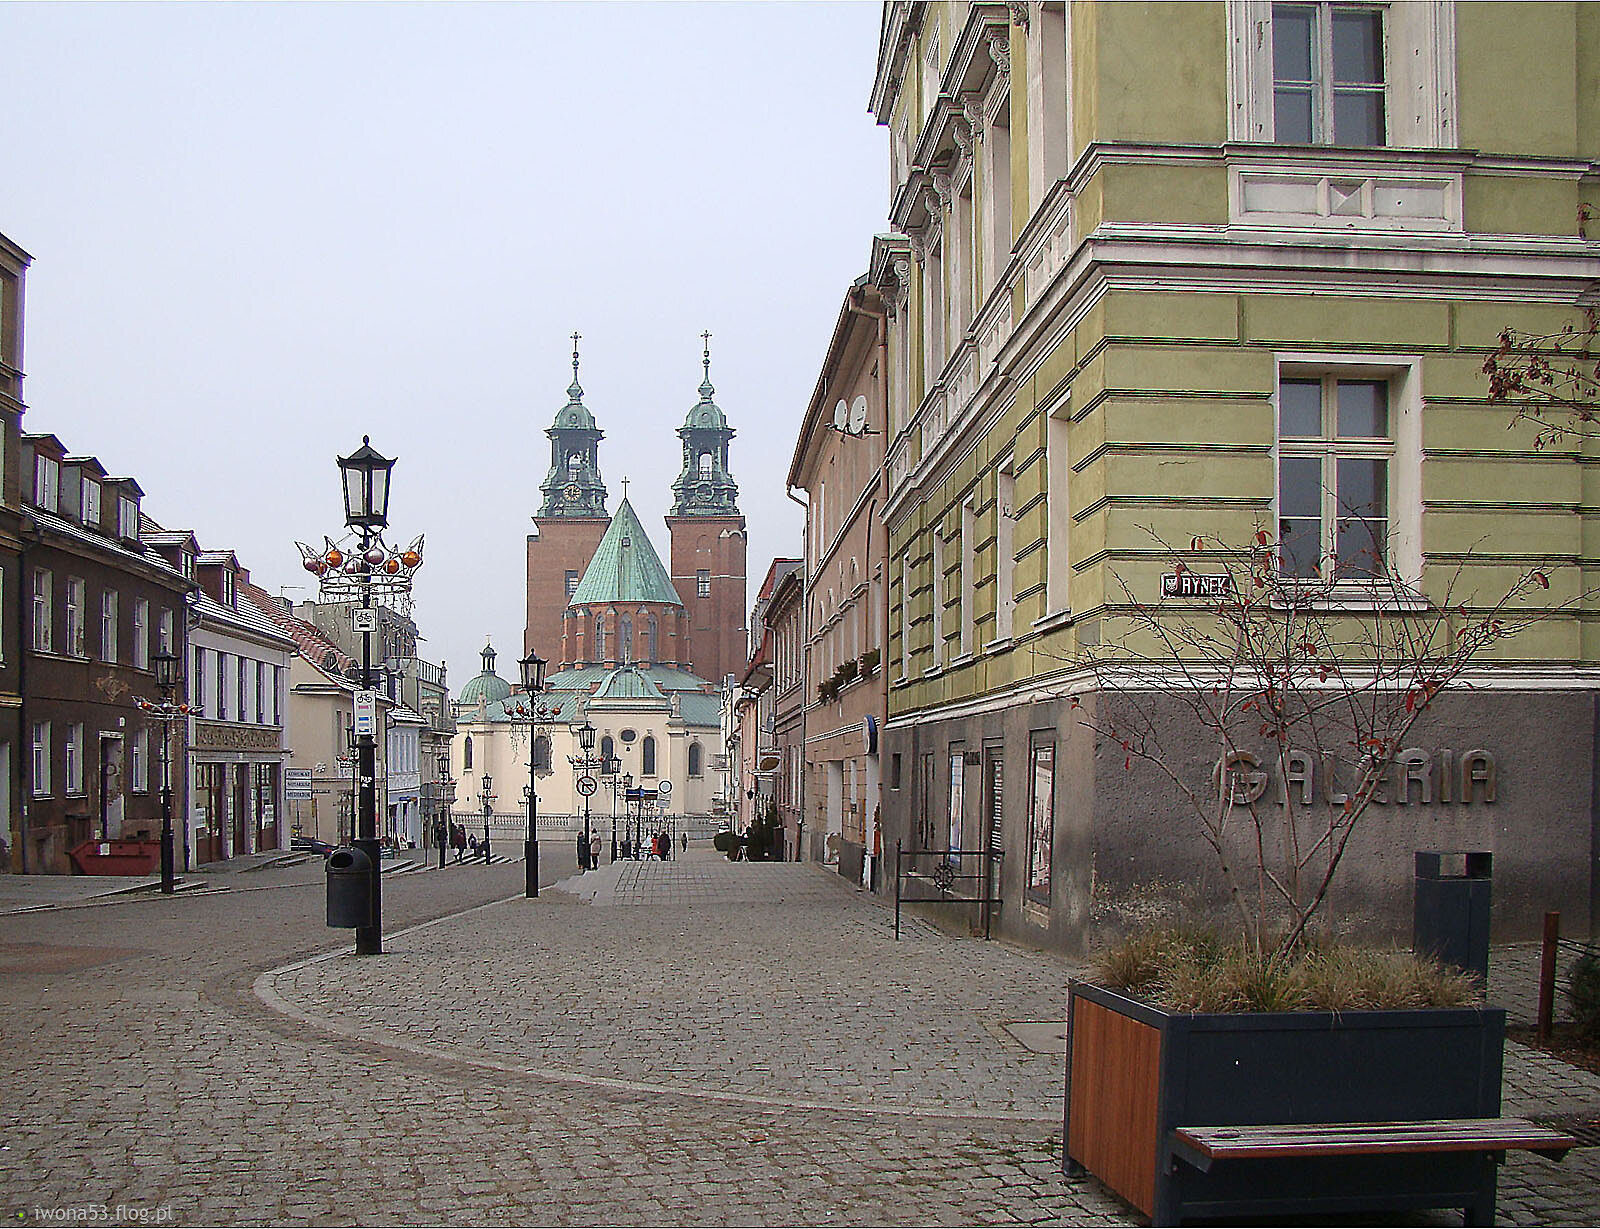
{"x": 1041, "y": 815}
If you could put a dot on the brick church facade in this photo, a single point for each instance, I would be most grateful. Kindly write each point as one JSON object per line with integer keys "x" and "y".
{"x": 706, "y": 540}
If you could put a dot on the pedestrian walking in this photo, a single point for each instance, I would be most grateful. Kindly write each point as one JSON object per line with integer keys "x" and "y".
{"x": 594, "y": 850}
{"x": 684, "y": 837}
{"x": 472, "y": 847}
{"x": 458, "y": 840}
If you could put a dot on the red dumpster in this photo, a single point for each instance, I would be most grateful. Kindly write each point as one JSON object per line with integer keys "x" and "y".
{"x": 116, "y": 857}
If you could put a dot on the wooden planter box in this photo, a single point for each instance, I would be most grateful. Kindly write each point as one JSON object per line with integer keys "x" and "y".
{"x": 1136, "y": 1073}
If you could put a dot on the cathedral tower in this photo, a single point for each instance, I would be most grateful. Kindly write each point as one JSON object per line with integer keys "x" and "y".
{"x": 708, "y": 539}
{"x": 570, "y": 522}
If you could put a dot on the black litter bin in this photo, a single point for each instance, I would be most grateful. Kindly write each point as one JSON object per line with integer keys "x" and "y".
{"x": 349, "y": 888}
{"x": 1451, "y": 916}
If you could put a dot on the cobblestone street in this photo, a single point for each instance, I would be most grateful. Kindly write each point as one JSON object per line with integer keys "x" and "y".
{"x": 687, "y": 1043}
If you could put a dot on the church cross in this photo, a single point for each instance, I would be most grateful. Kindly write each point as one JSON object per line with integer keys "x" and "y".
{"x": 624, "y": 488}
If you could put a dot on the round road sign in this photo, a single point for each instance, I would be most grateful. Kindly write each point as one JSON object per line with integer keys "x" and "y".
{"x": 664, "y": 788}
{"x": 587, "y": 785}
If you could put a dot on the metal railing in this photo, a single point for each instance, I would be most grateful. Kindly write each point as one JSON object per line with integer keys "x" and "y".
{"x": 947, "y": 877}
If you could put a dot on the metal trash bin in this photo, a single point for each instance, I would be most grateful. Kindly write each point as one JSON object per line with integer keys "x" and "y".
{"x": 1450, "y": 918}
{"x": 349, "y": 888}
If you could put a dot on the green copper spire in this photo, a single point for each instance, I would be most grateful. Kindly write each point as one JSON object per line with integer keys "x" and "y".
{"x": 573, "y": 487}
{"x": 625, "y": 567}
{"x": 705, "y": 487}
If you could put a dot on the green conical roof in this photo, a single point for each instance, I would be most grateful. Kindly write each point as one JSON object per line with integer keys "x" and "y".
{"x": 625, "y": 567}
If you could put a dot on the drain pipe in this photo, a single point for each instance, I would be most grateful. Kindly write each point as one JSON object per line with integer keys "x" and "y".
{"x": 805, "y": 671}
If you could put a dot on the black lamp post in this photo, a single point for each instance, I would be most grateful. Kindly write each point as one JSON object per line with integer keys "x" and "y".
{"x": 488, "y": 810}
{"x": 610, "y": 766}
{"x": 586, "y": 741}
{"x": 166, "y": 711}
{"x": 365, "y": 474}
{"x": 532, "y": 683}
{"x": 627, "y": 806}
{"x": 441, "y": 826}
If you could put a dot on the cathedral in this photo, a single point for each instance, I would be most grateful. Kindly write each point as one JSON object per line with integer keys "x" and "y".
{"x": 631, "y": 610}
{"x": 635, "y": 650}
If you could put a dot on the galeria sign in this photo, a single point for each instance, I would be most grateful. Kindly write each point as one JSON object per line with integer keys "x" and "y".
{"x": 1415, "y": 776}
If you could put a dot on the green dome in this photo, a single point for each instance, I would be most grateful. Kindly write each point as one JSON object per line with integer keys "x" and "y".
{"x": 487, "y": 685}
{"x": 574, "y": 415}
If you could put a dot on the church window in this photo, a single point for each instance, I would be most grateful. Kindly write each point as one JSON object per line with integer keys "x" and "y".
{"x": 647, "y": 756}
{"x": 702, "y": 582}
{"x": 625, "y": 639}
{"x": 466, "y": 753}
{"x": 608, "y": 749}
{"x": 600, "y": 638}
{"x": 572, "y": 583}
{"x": 705, "y": 464}
{"x": 574, "y": 464}
{"x": 694, "y": 760}
{"x": 653, "y": 643}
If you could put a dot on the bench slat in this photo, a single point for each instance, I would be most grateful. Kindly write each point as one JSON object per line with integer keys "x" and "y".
{"x": 1373, "y": 1138}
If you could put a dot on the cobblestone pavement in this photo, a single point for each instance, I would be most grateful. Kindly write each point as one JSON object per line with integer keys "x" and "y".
{"x": 646, "y": 1047}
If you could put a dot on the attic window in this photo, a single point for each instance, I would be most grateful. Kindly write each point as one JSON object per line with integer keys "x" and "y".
{"x": 626, "y": 540}
{"x": 330, "y": 660}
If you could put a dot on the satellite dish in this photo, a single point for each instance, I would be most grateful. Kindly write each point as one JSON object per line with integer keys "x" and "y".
{"x": 858, "y": 416}
{"x": 841, "y": 415}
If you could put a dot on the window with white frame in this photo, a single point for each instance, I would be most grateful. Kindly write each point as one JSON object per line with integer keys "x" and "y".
{"x": 76, "y": 595}
{"x": 969, "y": 574}
{"x": 164, "y": 632}
{"x": 261, "y": 693}
{"x": 41, "y": 759}
{"x": 139, "y": 761}
{"x": 1058, "y": 508}
{"x": 128, "y": 518}
{"x": 905, "y": 618}
{"x": 197, "y": 677}
{"x": 996, "y": 221}
{"x": 1049, "y": 98}
{"x": 89, "y": 501}
{"x": 1005, "y": 551}
{"x": 1336, "y": 446}
{"x": 244, "y": 687}
{"x": 108, "y": 625}
{"x": 1327, "y": 74}
{"x": 43, "y": 610}
{"x": 141, "y": 633}
{"x": 73, "y": 749}
{"x": 277, "y": 716}
{"x": 1343, "y": 74}
{"x": 46, "y": 483}
{"x": 222, "y": 685}
{"x": 702, "y": 582}
{"x": 228, "y": 595}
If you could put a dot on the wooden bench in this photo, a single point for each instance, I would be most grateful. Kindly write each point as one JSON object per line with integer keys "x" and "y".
{"x": 1338, "y": 1167}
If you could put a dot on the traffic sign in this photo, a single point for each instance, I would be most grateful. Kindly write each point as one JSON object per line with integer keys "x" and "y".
{"x": 664, "y": 788}
{"x": 366, "y": 712}
{"x": 364, "y": 619}
{"x": 587, "y": 785}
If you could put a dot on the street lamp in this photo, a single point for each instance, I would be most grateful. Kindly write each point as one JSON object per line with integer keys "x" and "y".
{"x": 532, "y": 683}
{"x": 350, "y": 572}
{"x": 166, "y": 711}
{"x": 441, "y": 824}
{"x": 627, "y": 805}
{"x": 610, "y": 766}
{"x": 488, "y": 809}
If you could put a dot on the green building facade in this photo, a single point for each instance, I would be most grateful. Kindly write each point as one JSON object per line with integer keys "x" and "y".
{"x": 1144, "y": 237}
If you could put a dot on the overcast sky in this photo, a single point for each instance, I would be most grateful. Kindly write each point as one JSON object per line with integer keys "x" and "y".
{"x": 261, "y": 231}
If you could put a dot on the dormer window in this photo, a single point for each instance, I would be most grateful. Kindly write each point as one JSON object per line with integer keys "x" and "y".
{"x": 188, "y": 565}
{"x": 128, "y": 518}
{"x": 46, "y": 482}
{"x": 89, "y": 503}
{"x": 228, "y": 596}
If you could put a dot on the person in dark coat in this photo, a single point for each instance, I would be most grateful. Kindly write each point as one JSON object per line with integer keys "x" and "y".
{"x": 458, "y": 840}
{"x": 583, "y": 853}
